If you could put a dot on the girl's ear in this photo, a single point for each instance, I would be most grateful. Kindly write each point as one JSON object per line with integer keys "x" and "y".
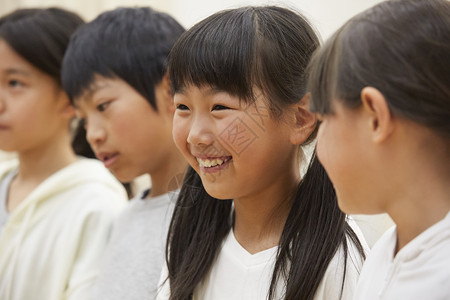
{"x": 304, "y": 121}
{"x": 381, "y": 122}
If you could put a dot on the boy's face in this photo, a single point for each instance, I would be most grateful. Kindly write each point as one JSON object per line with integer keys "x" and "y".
{"x": 124, "y": 130}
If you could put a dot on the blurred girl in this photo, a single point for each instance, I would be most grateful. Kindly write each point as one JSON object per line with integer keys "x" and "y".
{"x": 382, "y": 86}
{"x": 56, "y": 209}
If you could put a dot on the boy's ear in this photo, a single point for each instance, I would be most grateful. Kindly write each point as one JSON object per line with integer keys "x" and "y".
{"x": 304, "y": 121}
{"x": 66, "y": 108}
{"x": 166, "y": 94}
{"x": 381, "y": 121}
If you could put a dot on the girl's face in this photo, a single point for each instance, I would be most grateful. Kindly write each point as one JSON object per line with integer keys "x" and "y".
{"x": 31, "y": 104}
{"x": 342, "y": 148}
{"x": 238, "y": 150}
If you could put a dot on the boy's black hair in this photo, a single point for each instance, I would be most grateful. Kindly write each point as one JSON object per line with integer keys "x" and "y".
{"x": 127, "y": 43}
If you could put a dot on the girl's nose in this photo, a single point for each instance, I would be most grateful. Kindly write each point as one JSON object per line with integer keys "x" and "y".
{"x": 200, "y": 133}
{"x": 2, "y": 102}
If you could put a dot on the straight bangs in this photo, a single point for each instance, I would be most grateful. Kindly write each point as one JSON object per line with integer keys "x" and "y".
{"x": 218, "y": 52}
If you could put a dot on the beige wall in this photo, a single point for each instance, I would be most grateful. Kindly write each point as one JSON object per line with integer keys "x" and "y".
{"x": 326, "y": 15}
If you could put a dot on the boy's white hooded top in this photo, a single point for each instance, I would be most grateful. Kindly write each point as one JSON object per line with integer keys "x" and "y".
{"x": 52, "y": 242}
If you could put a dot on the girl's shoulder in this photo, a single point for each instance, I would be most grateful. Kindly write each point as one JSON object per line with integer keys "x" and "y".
{"x": 6, "y": 166}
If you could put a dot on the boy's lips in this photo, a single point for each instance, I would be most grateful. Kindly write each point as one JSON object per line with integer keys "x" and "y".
{"x": 108, "y": 158}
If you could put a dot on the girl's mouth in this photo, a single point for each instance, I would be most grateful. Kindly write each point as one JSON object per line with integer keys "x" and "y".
{"x": 211, "y": 165}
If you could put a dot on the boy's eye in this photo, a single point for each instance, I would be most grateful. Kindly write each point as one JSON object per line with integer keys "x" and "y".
{"x": 220, "y": 107}
{"x": 103, "y": 106}
{"x": 182, "y": 107}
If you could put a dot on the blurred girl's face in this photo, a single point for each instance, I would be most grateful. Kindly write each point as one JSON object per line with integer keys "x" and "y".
{"x": 30, "y": 104}
{"x": 238, "y": 150}
{"x": 342, "y": 148}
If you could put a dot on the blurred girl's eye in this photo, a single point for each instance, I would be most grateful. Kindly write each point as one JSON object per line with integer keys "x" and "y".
{"x": 220, "y": 107}
{"x": 182, "y": 107}
{"x": 15, "y": 83}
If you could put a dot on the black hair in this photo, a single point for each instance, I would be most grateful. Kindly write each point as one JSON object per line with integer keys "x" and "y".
{"x": 41, "y": 37}
{"x": 127, "y": 43}
{"x": 401, "y": 48}
{"x": 236, "y": 51}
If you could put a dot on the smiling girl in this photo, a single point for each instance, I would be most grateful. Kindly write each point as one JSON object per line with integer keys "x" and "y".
{"x": 246, "y": 224}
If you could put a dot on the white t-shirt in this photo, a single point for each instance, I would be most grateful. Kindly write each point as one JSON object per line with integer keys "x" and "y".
{"x": 420, "y": 270}
{"x": 133, "y": 260}
{"x": 237, "y": 274}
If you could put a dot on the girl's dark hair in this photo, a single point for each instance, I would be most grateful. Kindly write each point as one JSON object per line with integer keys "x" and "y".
{"x": 400, "y": 47}
{"x": 41, "y": 37}
{"x": 236, "y": 51}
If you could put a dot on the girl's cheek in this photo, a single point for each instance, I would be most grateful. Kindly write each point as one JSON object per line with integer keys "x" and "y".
{"x": 180, "y": 133}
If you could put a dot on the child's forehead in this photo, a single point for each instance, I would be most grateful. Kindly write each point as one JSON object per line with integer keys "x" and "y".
{"x": 98, "y": 84}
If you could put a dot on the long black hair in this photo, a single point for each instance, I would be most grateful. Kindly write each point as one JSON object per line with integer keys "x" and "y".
{"x": 235, "y": 51}
{"x": 400, "y": 47}
{"x": 41, "y": 37}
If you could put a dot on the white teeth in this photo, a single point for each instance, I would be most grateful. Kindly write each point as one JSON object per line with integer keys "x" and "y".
{"x": 207, "y": 163}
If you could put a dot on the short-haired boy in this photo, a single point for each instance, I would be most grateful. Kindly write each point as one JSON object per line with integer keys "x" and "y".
{"x": 114, "y": 72}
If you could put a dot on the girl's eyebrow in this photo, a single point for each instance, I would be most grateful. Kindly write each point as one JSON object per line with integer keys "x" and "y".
{"x": 14, "y": 71}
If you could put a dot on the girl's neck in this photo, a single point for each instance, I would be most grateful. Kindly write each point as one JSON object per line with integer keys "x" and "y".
{"x": 260, "y": 218}
{"x": 36, "y": 165}
{"x": 420, "y": 196}
{"x": 422, "y": 205}
{"x": 39, "y": 163}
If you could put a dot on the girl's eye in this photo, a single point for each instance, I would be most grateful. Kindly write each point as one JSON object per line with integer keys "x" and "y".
{"x": 182, "y": 107}
{"x": 103, "y": 106}
{"x": 220, "y": 107}
{"x": 15, "y": 83}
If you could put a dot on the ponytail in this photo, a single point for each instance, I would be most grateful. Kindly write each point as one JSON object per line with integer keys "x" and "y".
{"x": 198, "y": 227}
{"x": 314, "y": 230}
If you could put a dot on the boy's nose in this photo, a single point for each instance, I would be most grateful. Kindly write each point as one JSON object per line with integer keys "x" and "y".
{"x": 95, "y": 133}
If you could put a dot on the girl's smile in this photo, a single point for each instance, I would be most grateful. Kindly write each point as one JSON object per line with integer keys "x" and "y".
{"x": 227, "y": 147}
{"x": 213, "y": 164}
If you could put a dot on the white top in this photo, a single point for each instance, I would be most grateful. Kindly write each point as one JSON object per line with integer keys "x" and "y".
{"x": 4, "y": 192}
{"x": 52, "y": 241}
{"x": 420, "y": 270}
{"x": 135, "y": 254}
{"x": 237, "y": 274}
